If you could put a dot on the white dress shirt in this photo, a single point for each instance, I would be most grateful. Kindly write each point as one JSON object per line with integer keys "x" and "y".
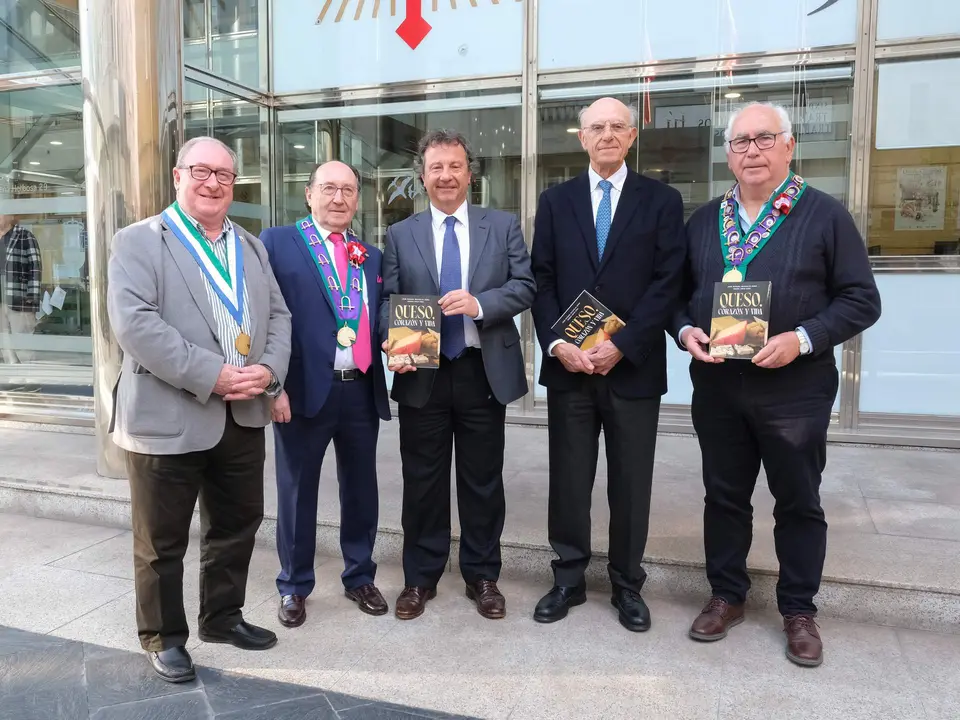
{"x": 596, "y": 195}
{"x": 344, "y": 358}
{"x": 462, "y": 230}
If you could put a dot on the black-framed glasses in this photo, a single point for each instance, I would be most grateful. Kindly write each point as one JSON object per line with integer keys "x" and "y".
{"x": 201, "y": 173}
{"x": 330, "y": 190}
{"x": 763, "y": 141}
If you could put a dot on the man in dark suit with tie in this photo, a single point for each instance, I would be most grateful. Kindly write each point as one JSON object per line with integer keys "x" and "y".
{"x": 476, "y": 260}
{"x": 335, "y": 390}
{"x": 619, "y": 236}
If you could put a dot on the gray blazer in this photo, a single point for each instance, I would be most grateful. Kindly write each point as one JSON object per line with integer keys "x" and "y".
{"x": 161, "y": 315}
{"x": 499, "y": 276}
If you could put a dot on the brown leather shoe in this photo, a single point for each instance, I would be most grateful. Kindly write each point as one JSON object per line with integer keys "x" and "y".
{"x": 804, "y": 646}
{"x": 293, "y": 610}
{"x": 716, "y": 618}
{"x": 368, "y": 599}
{"x": 489, "y": 600}
{"x": 412, "y": 602}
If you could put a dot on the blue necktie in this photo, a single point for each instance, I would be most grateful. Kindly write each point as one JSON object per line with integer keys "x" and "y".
{"x": 604, "y": 217}
{"x": 452, "y": 341}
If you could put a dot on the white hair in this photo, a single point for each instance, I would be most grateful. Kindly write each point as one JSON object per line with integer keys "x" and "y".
{"x": 634, "y": 115}
{"x": 786, "y": 127}
{"x": 193, "y": 142}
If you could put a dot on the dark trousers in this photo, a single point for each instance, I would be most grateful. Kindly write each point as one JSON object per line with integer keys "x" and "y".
{"x": 461, "y": 411}
{"x": 350, "y": 420}
{"x": 780, "y": 418}
{"x": 163, "y": 491}
{"x": 574, "y": 419}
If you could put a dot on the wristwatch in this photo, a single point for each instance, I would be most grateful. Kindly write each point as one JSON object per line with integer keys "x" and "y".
{"x": 274, "y": 389}
{"x": 804, "y": 345}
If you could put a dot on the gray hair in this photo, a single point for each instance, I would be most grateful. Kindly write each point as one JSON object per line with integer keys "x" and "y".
{"x": 785, "y": 125}
{"x": 193, "y": 142}
{"x": 435, "y": 138}
{"x": 634, "y": 115}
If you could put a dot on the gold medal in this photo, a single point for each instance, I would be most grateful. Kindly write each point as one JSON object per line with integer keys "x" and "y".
{"x": 733, "y": 275}
{"x": 243, "y": 344}
{"x": 346, "y": 337}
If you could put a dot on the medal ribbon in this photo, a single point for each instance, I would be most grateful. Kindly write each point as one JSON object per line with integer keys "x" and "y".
{"x": 227, "y": 282}
{"x": 346, "y": 305}
{"x": 740, "y": 248}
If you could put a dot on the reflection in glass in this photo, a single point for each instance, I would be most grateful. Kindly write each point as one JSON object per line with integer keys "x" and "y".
{"x": 381, "y": 145}
{"x": 45, "y": 313}
{"x": 232, "y": 28}
{"x": 38, "y": 35}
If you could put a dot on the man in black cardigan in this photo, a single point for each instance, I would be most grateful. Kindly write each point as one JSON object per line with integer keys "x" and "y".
{"x": 775, "y": 408}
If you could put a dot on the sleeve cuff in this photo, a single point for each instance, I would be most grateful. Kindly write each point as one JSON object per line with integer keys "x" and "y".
{"x": 479, "y": 316}
{"x": 806, "y": 336}
{"x": 818, "y": 337}
{"x": 552, "y": 346}
{"x": 680, "y": 334}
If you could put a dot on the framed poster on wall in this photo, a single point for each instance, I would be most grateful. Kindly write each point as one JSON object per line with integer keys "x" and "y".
{"x": 921, "y": 198}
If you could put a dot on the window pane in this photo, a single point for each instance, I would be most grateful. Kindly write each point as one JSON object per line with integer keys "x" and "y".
{"x": 915, "y": 160}
{"x": 44, "y": 285}
{"x": 232, "y": 29}
{"x": 682, "y": 121}
{"x": 917, "y": 18}
{"x": 37, "y": 35}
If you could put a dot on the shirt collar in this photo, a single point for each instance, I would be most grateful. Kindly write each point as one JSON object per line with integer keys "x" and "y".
{"x": 325, "y": 233}
{"x": 438, "y": 216}
{"x": 617, "y": 179}
{"x": 224, "y": 231}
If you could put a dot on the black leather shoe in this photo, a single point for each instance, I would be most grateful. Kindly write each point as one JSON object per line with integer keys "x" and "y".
{"x": 555, "y": 604}
{"x": 243, "y": 635}
{"x": 634, "y": 613}
{"x": 173, "y": 664}
{"x": 368, "y": 599}
{"x": 292, "y": 611}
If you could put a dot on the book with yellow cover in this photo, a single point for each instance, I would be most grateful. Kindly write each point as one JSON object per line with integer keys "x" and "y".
{"x": 587, "y": 322}
{"x": 413, "y": 336}
{"x": 740, "y": 320}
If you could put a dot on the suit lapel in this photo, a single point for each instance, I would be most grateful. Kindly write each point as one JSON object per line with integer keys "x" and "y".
{"x": 423, "y": 235}
{"x": 479, "y": 231}
{"x": 312, "y": 268}
{"x": 583, "y": 210}
{"x": 373, "y": 297}
{"x": 192, "y": 275}
{"x": 626, "y": 208}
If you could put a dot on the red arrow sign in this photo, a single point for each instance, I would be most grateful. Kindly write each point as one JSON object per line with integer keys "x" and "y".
{"x": 414, "y": 28}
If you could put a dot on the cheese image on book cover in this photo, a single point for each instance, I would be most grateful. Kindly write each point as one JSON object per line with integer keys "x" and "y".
{"x": 740, "y": 319}
{"x": 587, "y": 322}
{"x": 413, "y": 336}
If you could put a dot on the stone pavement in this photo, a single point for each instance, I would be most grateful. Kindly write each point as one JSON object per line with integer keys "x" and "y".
{"x": 67, "y": 607}
{"x": 894, "y": 517}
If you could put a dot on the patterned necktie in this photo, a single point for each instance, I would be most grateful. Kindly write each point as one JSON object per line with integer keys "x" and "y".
{"x": 452, "y": 341}
{"x": 604, "y": 217}
{"x": 361, "y": 348}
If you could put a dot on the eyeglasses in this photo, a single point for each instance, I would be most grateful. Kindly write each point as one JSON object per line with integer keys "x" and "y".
{"x": 328, "y": 190}
{"x": 763, "y": 141}
{"x": 617, "y": 128}
{"x": 202, "y": 172}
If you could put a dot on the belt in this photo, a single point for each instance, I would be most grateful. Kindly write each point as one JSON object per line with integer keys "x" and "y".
{"x": 347, "y": 375}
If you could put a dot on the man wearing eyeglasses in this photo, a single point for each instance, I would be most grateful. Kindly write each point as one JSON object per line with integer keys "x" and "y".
{"x": 205, "y": 336}
{"x": 619, "y": 236}
{"x": 335, "y": 390}
{"x": 774, "y": 408}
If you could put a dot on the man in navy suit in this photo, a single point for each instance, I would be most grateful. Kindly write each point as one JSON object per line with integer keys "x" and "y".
{"x": 335, "y": 389}
{"x": 619, "y": 236}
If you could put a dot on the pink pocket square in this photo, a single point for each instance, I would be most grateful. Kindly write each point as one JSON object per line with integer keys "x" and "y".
{"x": 379, "y": 279}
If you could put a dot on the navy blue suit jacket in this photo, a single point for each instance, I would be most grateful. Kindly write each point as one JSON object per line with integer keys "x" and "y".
{"x": 314, "y": 341}
{"x": 639, "y": 278}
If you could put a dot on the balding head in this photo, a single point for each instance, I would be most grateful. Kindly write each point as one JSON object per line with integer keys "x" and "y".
{"x": 333, "y": 195}
{"x": 607, "y": 131}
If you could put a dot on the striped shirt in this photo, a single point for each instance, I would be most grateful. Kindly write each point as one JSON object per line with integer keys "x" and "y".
{"x": 227, "y": 329}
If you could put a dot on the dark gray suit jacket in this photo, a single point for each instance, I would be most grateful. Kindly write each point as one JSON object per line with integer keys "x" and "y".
{"x": 499, "y": 276}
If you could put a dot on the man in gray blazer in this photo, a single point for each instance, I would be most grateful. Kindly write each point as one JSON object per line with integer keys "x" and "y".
{"x": 205, "y": 335}
{"x": 476, "y": 260}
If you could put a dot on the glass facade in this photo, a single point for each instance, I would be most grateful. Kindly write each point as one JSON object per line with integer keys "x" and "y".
{"x": 289, "y": 83}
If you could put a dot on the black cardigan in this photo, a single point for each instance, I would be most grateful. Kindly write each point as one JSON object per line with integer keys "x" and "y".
{"x": 817, "y": 263}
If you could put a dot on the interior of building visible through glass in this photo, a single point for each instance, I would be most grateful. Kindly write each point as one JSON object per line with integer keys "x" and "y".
{"x": 21, "y": 271}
